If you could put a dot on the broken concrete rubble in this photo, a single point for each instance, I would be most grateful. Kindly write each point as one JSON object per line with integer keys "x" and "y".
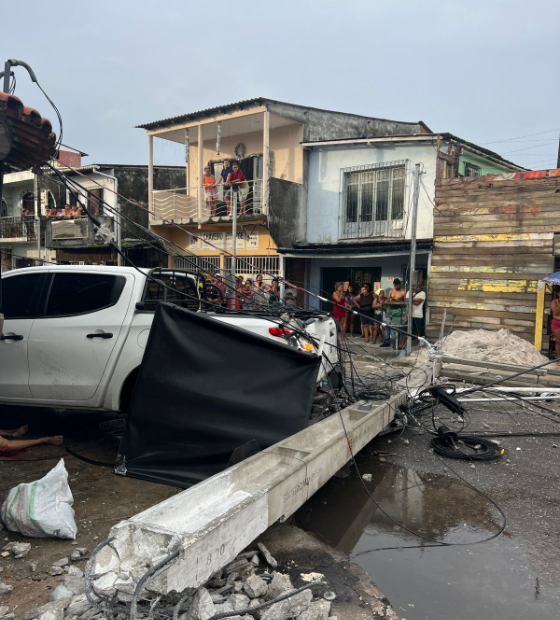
{"x": 17, "y": 549}
{"x": 242, "y": 593}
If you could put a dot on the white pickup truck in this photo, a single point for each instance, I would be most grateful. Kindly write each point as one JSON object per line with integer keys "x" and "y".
{"x": 74, "y": 336}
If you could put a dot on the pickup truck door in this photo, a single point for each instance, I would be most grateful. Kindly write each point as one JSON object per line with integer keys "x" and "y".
{"x": 71, "y": 345}
{"x": 20, "y": 302}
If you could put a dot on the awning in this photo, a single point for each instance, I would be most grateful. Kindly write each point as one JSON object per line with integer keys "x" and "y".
{"x": 553, "y": 278}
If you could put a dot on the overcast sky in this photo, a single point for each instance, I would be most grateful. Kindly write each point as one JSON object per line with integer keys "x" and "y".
{"x": 485, "y": 70}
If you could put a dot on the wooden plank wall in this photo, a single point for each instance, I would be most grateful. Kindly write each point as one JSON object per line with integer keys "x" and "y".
{"x": 493, "y": 240}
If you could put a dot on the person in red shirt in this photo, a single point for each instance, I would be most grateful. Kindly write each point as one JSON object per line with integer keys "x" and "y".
{"x": 237, "y": 181}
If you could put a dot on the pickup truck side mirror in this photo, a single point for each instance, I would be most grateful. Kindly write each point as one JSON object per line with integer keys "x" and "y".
{"x": 140, "y": 305}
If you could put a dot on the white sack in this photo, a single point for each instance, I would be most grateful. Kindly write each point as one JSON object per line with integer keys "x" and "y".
{"x": 42, "y": 509}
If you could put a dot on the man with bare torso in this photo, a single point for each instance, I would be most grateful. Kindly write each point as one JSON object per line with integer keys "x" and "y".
{"x": 555, "y": 325}
{"x": 395, "y": 298}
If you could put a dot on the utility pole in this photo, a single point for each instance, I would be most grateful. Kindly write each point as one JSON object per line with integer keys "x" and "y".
{"x": 558, "y": 158}
{"x": 412, "y": 267}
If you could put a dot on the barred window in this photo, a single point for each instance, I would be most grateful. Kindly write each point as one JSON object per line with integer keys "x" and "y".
{"x": 373, "y": 200}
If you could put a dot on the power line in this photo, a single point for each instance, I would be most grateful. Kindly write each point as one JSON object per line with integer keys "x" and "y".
{"x": 540, "y": 133}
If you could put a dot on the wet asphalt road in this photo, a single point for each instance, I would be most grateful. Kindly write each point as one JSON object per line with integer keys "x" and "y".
{"x": 516, "y": 575}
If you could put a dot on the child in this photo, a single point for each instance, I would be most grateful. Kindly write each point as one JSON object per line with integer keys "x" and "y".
{"x": 211, "y": 190}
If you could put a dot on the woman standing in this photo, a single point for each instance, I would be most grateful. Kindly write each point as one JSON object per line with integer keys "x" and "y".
{"x": 364, "y": 302}
{"x": 339, "y": 298}
{"x": 378, "y": 313}
{"x": 350, "y": 317}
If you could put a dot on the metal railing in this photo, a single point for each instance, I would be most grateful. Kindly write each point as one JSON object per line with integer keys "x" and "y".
{"x": 183, "y": 205}
{"x": 361, "y": 229}
{"x": 18, "y": 228}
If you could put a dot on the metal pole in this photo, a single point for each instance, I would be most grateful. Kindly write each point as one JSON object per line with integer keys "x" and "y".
{"x": 37, "y": 214}
{"x": 234, "y": 237}
{"x": 150, "y": 175}
{"x": 7, "y": 70}
{"x": 200, "y": 175}
{"x": 412, "y": 267}
{"x": 266, "y": 160}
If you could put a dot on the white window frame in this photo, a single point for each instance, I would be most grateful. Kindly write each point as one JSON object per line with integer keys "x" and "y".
{"x": 392, "y": 227}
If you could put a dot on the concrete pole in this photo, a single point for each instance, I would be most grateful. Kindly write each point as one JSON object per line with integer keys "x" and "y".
{"x": 200, "y": 175}
{"x": 412, "y": 268}
{"x": 266, "y": 159}
{"x": 150, "y": 173}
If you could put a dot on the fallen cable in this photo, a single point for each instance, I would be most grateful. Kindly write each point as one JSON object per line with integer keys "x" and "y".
{"x": 447, "y": 444}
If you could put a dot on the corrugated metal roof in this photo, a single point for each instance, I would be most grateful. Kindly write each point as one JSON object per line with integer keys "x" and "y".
{"x": 184, "y": 117}
{"x": 252, "y": 102}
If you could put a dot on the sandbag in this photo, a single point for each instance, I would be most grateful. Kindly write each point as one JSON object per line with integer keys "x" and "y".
{"x": 42, "y": 509}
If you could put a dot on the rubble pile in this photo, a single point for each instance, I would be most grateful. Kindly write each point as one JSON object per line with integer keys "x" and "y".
{"x": 250, "y": 585}
{"x": 485, "y": 345}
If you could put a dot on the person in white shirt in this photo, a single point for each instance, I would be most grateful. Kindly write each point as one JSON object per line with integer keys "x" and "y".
{"x": 418, "y": 301}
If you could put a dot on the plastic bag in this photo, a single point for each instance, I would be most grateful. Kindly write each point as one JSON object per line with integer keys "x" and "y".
{"x": 42, "y": 509}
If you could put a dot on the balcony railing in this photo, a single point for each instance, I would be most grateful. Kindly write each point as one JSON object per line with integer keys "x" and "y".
{"x": 182, "y": 205}
{"x": 22, "y": 229}
{"x": 363, "y": 229}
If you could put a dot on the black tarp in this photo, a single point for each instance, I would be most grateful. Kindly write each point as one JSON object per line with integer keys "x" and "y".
{"x": 206, "y": 388}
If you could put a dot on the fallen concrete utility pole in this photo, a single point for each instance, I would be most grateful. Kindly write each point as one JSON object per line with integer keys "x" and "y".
{"x": 210, "y": 523}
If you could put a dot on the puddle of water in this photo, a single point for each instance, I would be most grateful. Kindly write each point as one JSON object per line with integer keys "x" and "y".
{"x": 428, "y": 583}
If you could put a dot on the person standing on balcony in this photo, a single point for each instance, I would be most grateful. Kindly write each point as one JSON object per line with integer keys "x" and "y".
{"x": 211, "y": 190}
{"x": 239, "y": 184}
{"x": 224, "y": 175}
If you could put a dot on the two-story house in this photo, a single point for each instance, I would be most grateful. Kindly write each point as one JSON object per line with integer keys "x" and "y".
{"x": 33, "y": 226}
{"x": 26, "y": 198}
{"x": 267, "y": 139}
{"x": 359, "y": 203}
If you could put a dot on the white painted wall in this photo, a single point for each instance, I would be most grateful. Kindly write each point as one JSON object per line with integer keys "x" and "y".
{"x": 324, "y": 201}
{"x": 95, "y": 180}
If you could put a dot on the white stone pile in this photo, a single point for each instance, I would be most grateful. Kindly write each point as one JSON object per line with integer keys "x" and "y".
{"x": 243, "y": 586}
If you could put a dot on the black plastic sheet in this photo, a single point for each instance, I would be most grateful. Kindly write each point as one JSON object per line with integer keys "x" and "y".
{"x": 206, "y": 388}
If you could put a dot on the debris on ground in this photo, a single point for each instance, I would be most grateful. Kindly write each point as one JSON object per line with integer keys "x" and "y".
{"x": 42, "y": 509}
{"x": 486, "y": 345}
{"x": 367, "y": 477}
{"x": 239, "y": 587}
{"x": 18, "y": 549}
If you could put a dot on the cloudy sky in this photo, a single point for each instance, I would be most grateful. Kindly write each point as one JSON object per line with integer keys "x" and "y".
{"x": 483, "y": 70}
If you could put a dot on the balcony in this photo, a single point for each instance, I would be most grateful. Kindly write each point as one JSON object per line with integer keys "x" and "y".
{"x": 74, "y": 233}
{"x": 182, "y": 205}
{"x": 17, "y": 229}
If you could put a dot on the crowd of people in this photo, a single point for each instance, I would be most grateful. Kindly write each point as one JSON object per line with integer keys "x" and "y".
{"x": 68, "y": 213}
{"x": 234, "y": 184}
{"x": 252, "y": 294}
{"x": 375, "y": 307}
